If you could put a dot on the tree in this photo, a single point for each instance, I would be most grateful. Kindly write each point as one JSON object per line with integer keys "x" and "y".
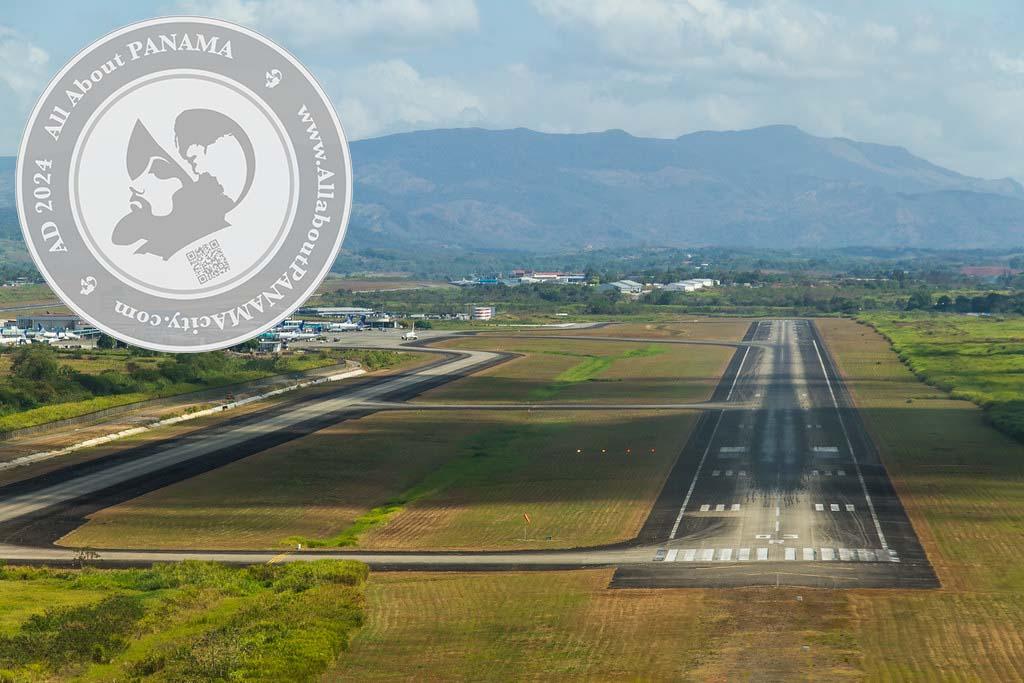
{"x": 105, "y": 341}
{"x": 919, "y": 300}
{"x": 35, "y": 363}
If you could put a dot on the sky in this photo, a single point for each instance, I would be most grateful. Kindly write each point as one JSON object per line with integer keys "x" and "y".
{"x": 943, "y": 78}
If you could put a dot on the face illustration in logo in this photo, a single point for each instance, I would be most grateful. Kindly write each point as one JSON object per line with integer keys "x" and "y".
{"x": 177, "y": 199}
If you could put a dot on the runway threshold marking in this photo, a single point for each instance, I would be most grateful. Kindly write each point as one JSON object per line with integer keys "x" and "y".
{"x": 849, "y": 445}
{"x": 277, "y": 558}
{"x": 776, "y": 554}
{"x": 707, "y": 449}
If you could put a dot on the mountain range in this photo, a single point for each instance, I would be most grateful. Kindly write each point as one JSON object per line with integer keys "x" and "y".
{"x": 775, "y": 186}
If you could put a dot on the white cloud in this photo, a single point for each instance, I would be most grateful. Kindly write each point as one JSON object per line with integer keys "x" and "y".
{"x": 24, "y": 70}
{"x": 23, "y": 66}
{"x": 775, "y": 39}
{"x": 308, "y": 22}
{"x": 391, "y": 96}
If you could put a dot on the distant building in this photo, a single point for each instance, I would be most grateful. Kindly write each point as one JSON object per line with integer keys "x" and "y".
{"x": 690, "y": 285}
{"x": 623, "y": 286}
{"x": 270, "y": 346}
{"x": 483, "y": 312}
{"x": 49, "y": 322}
{"x": 680, "y": 287}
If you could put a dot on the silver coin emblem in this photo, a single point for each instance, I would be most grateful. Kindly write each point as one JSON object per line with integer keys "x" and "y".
{"x": 184, "y": 184}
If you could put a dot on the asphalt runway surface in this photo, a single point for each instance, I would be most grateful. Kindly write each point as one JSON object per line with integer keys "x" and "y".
{"x": 790, "y": 490}
{"x": 778, "y": 484}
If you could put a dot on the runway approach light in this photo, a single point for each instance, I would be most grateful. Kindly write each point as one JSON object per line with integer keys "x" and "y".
{"x": 629, "y": 450}
{"x": 579, "y": 450}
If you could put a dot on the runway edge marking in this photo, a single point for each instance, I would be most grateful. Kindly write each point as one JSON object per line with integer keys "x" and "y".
{"x": 849, "y": 445}
{"x": 707, "y": 449}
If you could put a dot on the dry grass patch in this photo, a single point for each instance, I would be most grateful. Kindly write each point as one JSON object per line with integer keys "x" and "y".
{"x": 312, "y": 486}
{"x": 583, "y": 371}
{"x": 569, "y": 626}
{"x": 410, "y": 479}
{"x": 726, "y": 329}
{"x": 583, "y": 478}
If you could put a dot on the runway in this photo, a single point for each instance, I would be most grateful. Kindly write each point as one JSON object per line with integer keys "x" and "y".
{"x": 793, "y": 479}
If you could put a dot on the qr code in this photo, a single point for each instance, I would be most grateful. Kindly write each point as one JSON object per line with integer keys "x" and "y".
{"x": 208, "y": 261}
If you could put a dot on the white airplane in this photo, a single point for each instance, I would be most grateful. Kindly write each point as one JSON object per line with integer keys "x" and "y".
{"x": 344, "y": 327}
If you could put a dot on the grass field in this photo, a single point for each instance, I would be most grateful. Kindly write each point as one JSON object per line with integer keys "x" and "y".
{"x": 690, "y": 327}
{"x": 24, "y": 295}
{"x": 185, "y": 622}
{"x": 975, "y": 358}
{"x": 568, "y": 625}
{"x": 429, "y": 480}
{"x": 961, "y": 482}
{"x": 585, "y": 371}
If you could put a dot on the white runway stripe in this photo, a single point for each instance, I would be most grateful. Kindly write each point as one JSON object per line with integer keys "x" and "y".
{"x": 720, "y": 508}
{"x": 705, "y": 508}
{"x": 735, "y": 507}
{"x": 849, "y": 508}
{"x": 819, "y": 507}
{"x": 775, "y": 555}
{"x": 715, "y": 473}
{"x": 834, "y": 507}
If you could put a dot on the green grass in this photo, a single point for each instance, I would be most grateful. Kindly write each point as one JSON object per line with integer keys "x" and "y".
{"x": 26, "y": 294}
{"x": 236, "y": 371}
{"x": 972, "y": 358}
{"x": 182, "y": 622}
